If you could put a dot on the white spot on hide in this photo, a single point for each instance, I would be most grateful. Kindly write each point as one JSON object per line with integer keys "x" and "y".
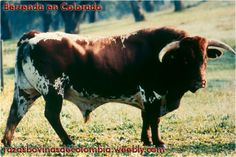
{"x": 124, "y": 37}
{"x": 154, "y": 97}
{"x": 39, "y": 82}
{"x": 142, "y": 94}
{"x": 22, "y": 106}
{"x": 157, "y": 95}
{"x": 59, "y": 84}
{"x": 24, "y": 41}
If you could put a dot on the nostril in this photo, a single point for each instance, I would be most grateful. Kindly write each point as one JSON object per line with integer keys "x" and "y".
{"x": 204, "y": 83}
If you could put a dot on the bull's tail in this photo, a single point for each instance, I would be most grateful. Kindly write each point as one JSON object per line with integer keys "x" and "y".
{"x": 24, "y": 95}
{"x": 22, "y": 53}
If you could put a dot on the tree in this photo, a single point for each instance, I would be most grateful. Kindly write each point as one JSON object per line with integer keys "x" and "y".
{"x": 137, "y": 12}
{"x": 6, "y": 29}
{"x": 93, "y": 14}
{"x": 56, "y": 21}
{"x": 158, "y": 4}
{"x": 46, "y": 15}
{"x": 148, "y": 5}
{"x": 178, "y": 5}
{"x": 47, "y": 20}
{"x": 72, "y": 19}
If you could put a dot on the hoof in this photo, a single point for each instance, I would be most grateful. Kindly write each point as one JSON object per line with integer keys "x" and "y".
{"x": 147, "y": 143}
{"x": 161, "y": 148}
{"x": 5, "y": 143}
{"x": 68, "y": 143}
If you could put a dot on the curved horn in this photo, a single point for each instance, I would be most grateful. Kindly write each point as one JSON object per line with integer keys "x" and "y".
{"x": 220, "y": 44}
{"x": 171, "y": 46}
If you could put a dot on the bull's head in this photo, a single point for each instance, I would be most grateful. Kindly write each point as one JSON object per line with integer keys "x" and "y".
{"x": 189, "y": 56}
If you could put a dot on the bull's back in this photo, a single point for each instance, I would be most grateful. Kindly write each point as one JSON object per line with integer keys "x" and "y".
{"x": 48, "y": 57}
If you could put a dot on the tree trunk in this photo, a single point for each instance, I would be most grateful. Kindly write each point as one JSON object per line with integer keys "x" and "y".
{"x": 136, "y": 9}
{"x": 56, "y": 21}
{"x": 72, "y": 19}
{"x": 93, "y": 14}
{"x": 149, "y": 5}
{"x": 47, "y": 20}
{"x": 6, "y": 29}
{"x": 70, "y": 23}
{"x": 178, "y": 5}
{"x": 158, "y": 4}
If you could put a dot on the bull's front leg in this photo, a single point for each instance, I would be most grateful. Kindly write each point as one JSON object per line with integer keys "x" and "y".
{"x": 52, "y": 113}
{"x": 150, "y": 130}
{"x": 156, "y": 136}
{"x": 146, "y": 136}
{"x": 151, "y": 118}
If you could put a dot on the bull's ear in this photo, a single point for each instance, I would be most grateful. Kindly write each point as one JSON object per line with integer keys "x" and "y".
{"x": 214, "y": 53}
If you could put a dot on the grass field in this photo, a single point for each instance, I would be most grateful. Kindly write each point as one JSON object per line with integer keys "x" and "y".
{"x": 203, "y": 125}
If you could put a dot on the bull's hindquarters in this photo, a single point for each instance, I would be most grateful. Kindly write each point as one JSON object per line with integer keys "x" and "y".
{"x": 22, "y": 101}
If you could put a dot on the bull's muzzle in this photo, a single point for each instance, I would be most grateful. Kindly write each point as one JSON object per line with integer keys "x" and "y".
{"x": 197, "y": 85}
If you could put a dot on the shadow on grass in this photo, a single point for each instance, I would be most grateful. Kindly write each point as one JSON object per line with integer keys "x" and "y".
{"x": 202, "y": 148}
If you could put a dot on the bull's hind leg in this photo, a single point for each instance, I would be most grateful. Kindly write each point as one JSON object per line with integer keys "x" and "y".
{"x": 52, "y": 113}
{"x": 22, "y": 101}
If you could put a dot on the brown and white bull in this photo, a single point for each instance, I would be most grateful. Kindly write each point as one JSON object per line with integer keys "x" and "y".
{"x": 150, "y": 69}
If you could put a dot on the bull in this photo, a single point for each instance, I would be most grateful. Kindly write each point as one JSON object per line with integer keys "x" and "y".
{"x": 150, "y": 69}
